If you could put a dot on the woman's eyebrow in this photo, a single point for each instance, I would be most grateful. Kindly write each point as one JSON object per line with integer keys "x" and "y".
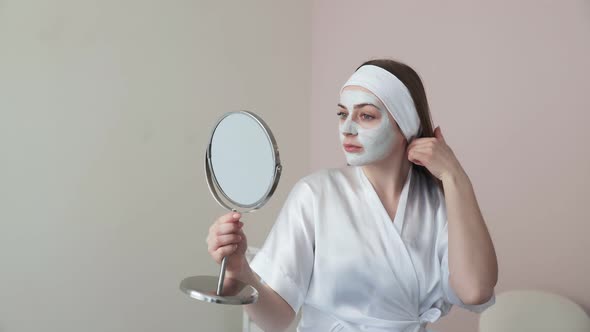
{"x": 360, "y": 105}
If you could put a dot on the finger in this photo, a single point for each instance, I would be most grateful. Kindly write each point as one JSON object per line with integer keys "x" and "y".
{"x": 438, "y": 134}
{"x": 423, "y": 149}
{"x": 415, "y": 161}
{"x": 224, "y": 251}
{"x": 418, "y": 140}
{"x": 229, "y": 217}
{"x": 418, "y": 154}
{"x": 229, "y": 228}
{"x": 423, "y": 142}
{"x": 242, "y": 234}
{"x": 224, "y": 240}
{"x": 416, "y": 157}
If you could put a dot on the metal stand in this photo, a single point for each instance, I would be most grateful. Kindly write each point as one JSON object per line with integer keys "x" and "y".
{"x": 221, "y": 289}
{"x": 211, "y": 289}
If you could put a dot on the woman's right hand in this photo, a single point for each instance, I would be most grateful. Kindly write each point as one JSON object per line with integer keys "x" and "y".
{"x": 226, "y": 238}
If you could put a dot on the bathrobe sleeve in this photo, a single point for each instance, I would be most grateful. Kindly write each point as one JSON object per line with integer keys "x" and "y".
{"x": 286, "y": 259}
{"x": 443, "y": 255}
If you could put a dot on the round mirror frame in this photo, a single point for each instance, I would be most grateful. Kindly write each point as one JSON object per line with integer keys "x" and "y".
{"x": 212, "y": 181}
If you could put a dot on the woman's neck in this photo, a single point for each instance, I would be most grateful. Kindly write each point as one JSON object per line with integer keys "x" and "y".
{"x": 388, "y": 175}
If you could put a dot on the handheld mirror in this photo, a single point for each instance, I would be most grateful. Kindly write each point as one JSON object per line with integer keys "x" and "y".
{"x": 242, "y": 169}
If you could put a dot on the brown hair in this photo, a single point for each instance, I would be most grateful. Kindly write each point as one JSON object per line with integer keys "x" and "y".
{"x": 412, "y": 81}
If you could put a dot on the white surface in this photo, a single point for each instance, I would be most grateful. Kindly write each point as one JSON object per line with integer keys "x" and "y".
{"x": 530, "y": 310}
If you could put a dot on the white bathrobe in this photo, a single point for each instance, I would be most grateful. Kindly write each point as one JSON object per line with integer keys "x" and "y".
{"x": 335, "y": 252}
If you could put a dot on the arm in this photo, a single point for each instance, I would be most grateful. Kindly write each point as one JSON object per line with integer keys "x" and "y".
{"x": 227, "y": 239}
{"x": 271, "y": 312}
{"x": 473, "y": 267}
{"x": 472, "y": 259}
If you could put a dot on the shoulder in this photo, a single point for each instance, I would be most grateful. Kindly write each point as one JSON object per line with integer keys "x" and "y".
{"x": 329, "y": 177}
{"x": 325, "y": 182}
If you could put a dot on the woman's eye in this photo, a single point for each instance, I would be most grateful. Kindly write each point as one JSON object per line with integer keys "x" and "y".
{"x": 370, "y": 117}
{"x": 340, "y": 114}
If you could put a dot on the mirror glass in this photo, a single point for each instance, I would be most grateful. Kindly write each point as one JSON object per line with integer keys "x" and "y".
{"x": 242, "y": 159}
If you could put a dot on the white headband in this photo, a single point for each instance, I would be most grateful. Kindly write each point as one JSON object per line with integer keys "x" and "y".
{"x": 394, "y": 95}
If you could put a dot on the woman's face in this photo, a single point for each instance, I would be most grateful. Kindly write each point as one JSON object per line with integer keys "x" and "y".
{"x": 365, "y": 123}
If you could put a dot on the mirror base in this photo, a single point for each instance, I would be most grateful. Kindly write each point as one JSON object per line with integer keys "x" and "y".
{"x": 204, "y": 288}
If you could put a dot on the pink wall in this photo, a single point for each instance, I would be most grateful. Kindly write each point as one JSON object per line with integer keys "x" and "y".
{"x": 508, "y": 82}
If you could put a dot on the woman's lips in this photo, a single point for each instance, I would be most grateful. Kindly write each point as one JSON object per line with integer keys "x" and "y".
{"x": 351, "y": 148}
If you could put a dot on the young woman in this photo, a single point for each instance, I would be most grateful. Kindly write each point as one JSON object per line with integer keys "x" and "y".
{"x": 389, "y": 242}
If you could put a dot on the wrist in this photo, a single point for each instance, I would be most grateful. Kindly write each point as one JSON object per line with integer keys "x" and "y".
{"x": 243, "y": 272}
{"x": 455, "y": 176}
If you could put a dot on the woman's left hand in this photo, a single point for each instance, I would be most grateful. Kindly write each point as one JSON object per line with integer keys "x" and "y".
{"x": 434, "y": 154}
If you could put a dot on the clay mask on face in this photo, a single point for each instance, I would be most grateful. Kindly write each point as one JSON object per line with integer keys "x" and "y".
{"x": 378, "y": 141}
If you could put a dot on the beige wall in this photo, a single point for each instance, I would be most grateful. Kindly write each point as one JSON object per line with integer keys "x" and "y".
{"x": 105, "y": 110}
{"x": 508, "y": 83}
